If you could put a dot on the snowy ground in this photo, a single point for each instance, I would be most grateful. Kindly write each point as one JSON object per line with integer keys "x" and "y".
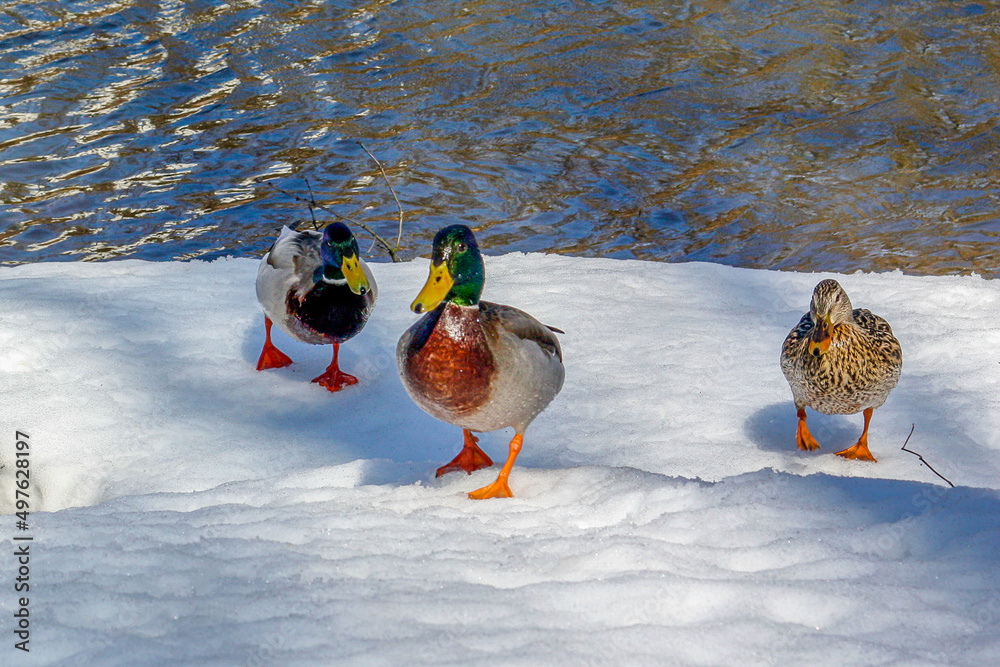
{"x": 196, "y": 511}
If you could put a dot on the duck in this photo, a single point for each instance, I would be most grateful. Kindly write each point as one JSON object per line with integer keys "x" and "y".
{"x": 477, "y": 365}
{"x": 840, "y": 360}
{"x": 316, "y": 287}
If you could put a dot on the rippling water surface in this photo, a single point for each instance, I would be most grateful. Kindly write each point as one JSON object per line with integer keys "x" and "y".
{"x": 804, "y": 134}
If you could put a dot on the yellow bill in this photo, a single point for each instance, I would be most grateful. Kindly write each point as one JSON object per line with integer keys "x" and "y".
{"x": 436, "y": 288}
{"x": 356, "y": 278}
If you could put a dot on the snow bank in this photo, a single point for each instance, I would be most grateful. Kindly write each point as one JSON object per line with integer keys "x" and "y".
{"x": 199, "y": 511}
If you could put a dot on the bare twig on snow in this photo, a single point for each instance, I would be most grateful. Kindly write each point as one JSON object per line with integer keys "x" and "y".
{"x": 912, "y": 427}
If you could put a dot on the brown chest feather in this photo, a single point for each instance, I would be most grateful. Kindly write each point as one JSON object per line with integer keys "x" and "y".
{"x": 454, "y": 367}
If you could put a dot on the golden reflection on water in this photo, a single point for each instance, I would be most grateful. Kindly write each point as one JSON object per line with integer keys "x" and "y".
{"x": 792, "y": 135}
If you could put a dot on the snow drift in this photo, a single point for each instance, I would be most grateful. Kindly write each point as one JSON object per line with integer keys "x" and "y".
{"x": 198, "y": 511}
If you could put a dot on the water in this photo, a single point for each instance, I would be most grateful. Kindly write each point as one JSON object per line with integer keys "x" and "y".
{"x": 812, "y": 134}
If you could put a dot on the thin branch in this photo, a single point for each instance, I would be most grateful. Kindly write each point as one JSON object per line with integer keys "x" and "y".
{"x": 389, "y": 249}
{"x": 312, "y": 204}
{"x": 399, "y": 235}
{"x": 910, "y": 451}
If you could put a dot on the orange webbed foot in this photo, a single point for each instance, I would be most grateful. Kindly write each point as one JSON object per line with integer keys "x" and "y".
{"x": 803, "y": 438}
{"x": 335, "y": 379}
{"x": 859, "y": 451}
{"x": 470, "y": 459}
{"x": 270, "y": 356}
{"x": 497, "y": 489}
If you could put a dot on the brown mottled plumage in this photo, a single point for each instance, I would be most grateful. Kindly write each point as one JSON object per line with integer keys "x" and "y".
{"x": 840, "y": 361}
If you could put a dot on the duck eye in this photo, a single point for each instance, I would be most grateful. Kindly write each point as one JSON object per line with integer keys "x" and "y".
{"x": 460, "y": 247}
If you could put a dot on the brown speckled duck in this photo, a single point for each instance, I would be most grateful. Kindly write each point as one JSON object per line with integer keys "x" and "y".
{"x": 478, "y": 365}
{"x": 840, "y": 361}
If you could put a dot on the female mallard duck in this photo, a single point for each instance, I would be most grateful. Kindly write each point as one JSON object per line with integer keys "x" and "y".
{"x": 840, "y": 361}
{"x": 317, "y": 289}
{"x": 477, "y": 365}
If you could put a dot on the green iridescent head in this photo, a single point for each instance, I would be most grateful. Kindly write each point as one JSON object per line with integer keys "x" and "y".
{"x": 341, "y": 258}
{"x": 457, "y": 271}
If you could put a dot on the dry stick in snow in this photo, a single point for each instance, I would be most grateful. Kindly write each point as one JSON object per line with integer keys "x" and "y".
{"x": 910, "y": 451}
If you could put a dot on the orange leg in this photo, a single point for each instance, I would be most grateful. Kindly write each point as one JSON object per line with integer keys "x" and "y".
{"x": 860, "y": 450}
{"x": 803, "y": 438}
{"x": 470, "y": 459}
{"x": 499, "y": 488}
{"x": 333, "y": 378}
{"x": 270, "y": 356}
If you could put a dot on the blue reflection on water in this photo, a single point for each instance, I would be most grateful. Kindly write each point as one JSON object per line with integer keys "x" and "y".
{"x": 781, "y": 135}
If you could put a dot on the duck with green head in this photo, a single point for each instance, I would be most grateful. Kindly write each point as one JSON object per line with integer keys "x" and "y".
{"x": 478, "y": 365}
{"x": 317, "y": 289}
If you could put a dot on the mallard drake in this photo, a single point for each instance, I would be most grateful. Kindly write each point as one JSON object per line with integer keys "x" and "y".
{"x": 474, "y": 364}
{"x": 840, "y": 360}
{"x": 317, "y": 289}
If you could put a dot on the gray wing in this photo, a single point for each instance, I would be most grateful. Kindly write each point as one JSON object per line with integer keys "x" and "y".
{"x": 521, "y": 324}
{"x": 298, "y": 251}
{"x": 296, "y": 255}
